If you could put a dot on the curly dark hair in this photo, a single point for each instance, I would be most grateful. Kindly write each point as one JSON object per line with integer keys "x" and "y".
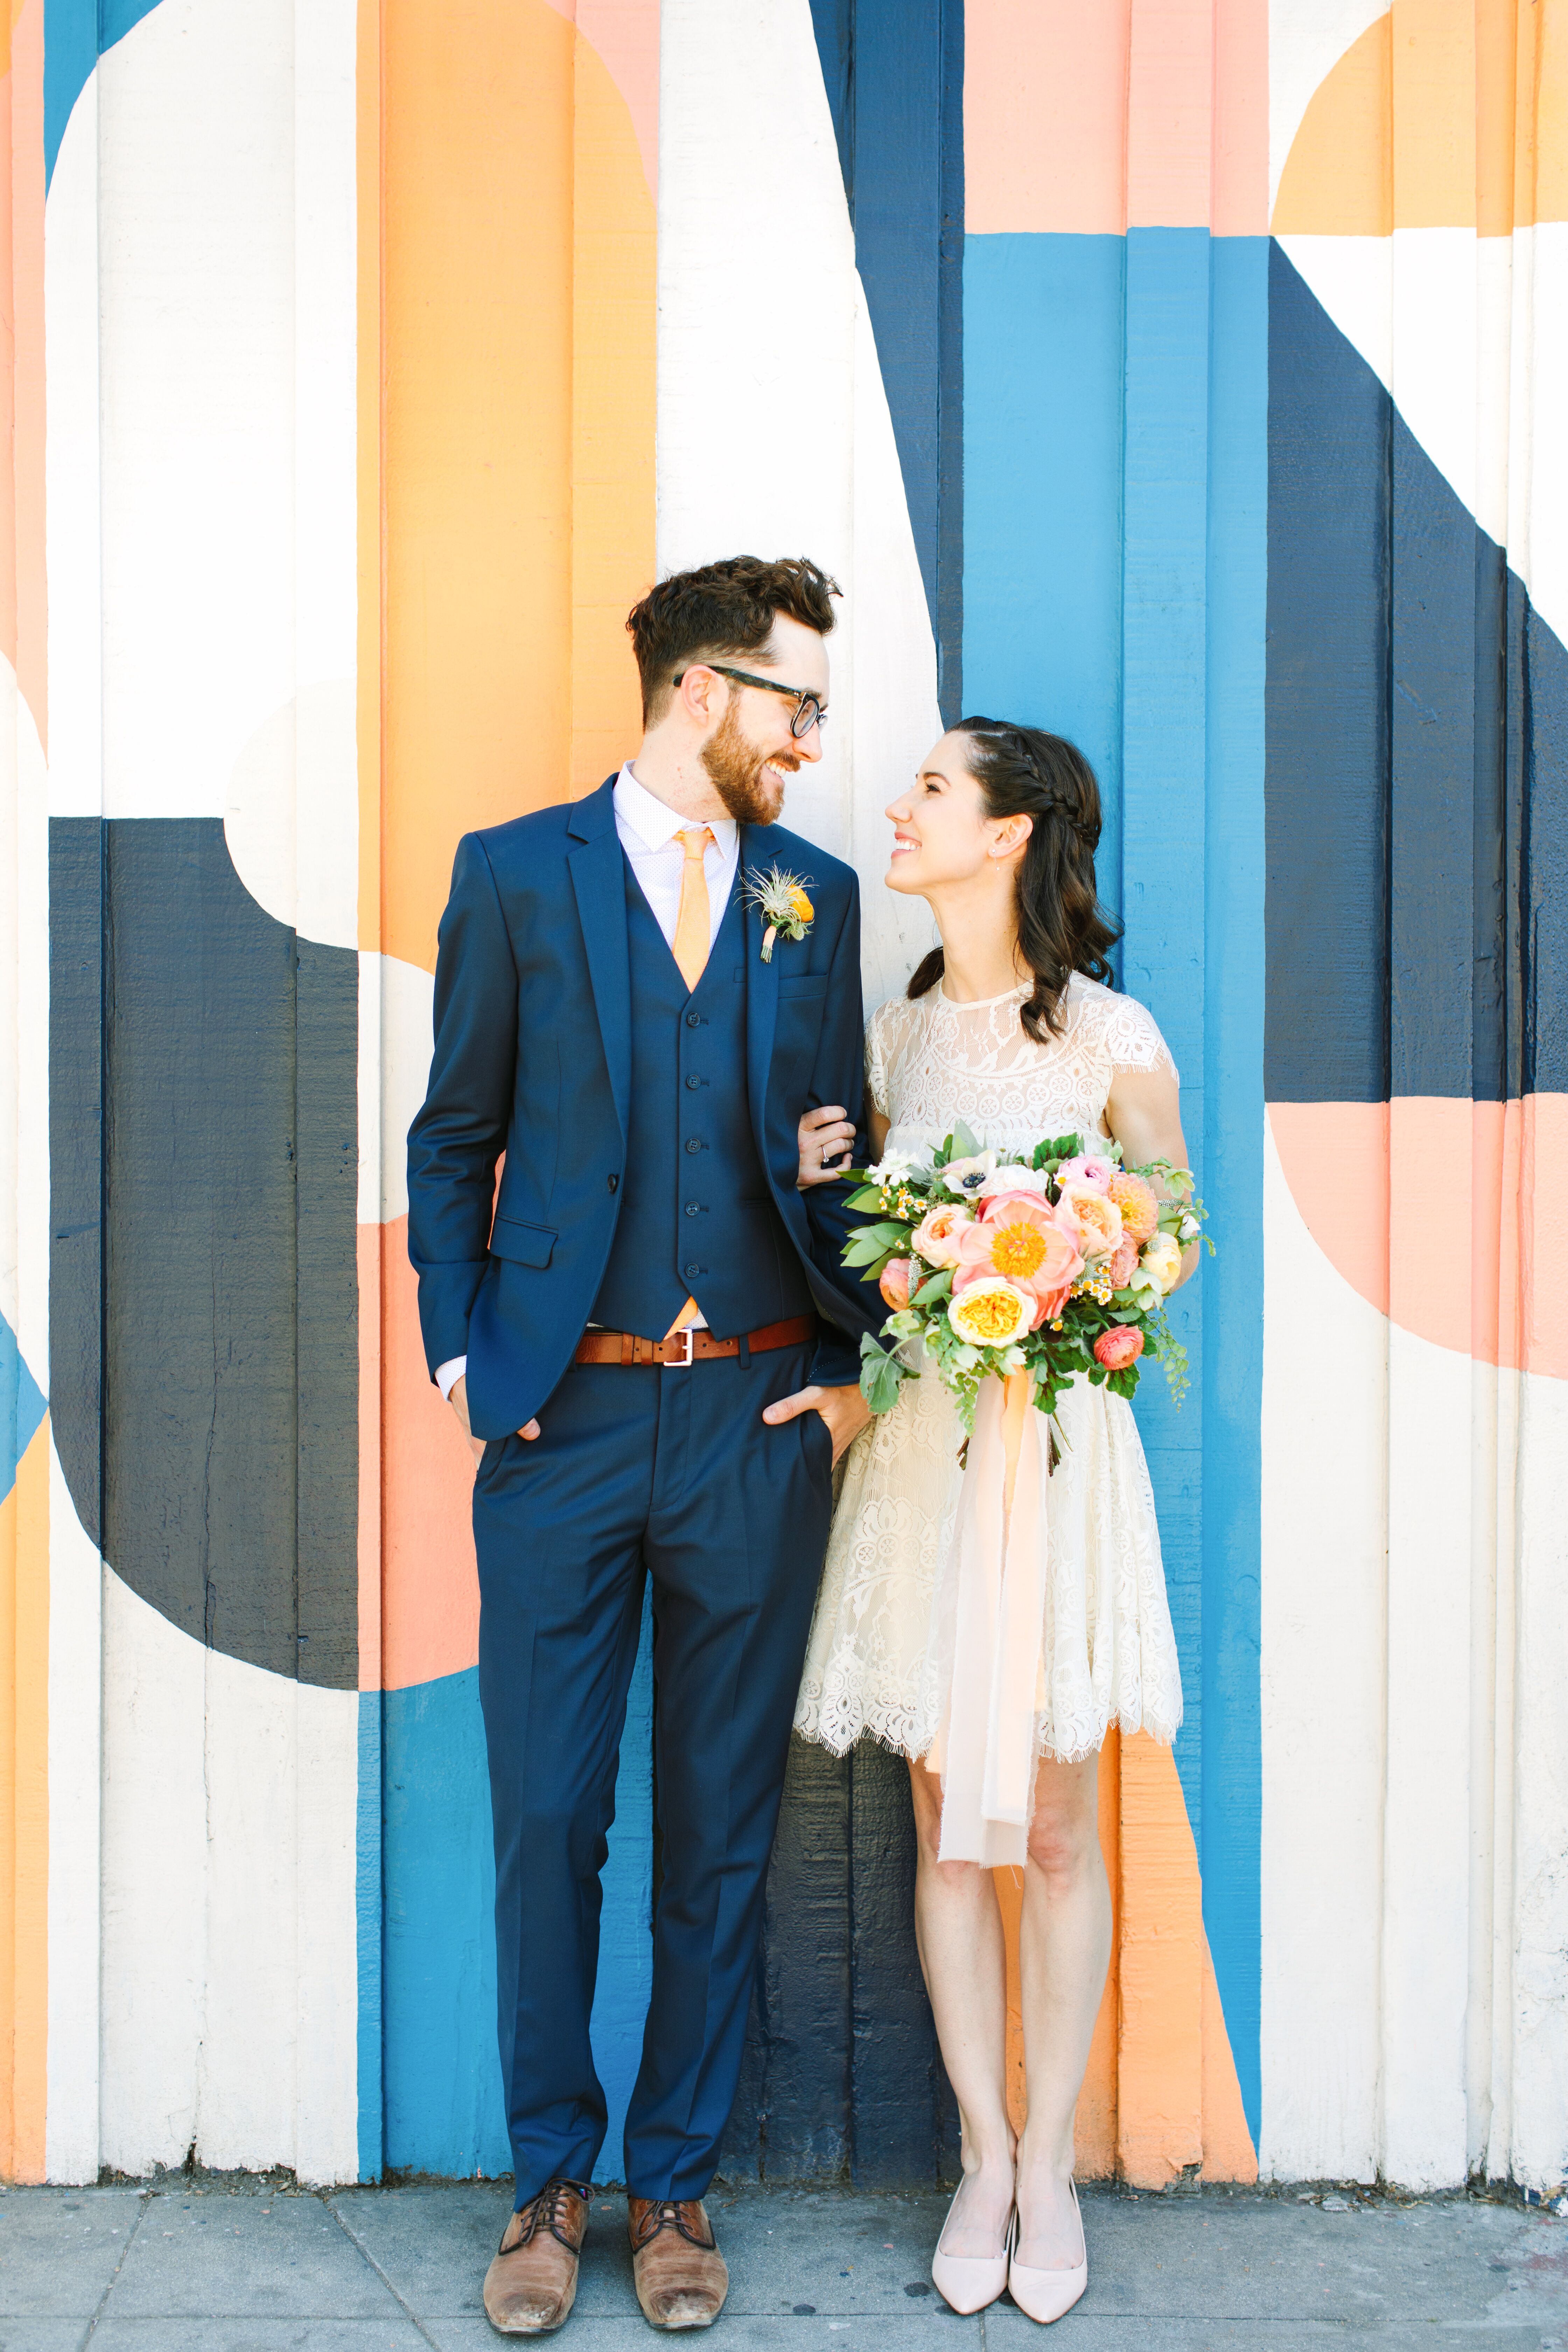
{"x": 726, "y": 608}
{"x": 1062, "y": 926}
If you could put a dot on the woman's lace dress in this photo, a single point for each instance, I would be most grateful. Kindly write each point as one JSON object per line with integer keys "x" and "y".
{"x": 1107, "y": 1651}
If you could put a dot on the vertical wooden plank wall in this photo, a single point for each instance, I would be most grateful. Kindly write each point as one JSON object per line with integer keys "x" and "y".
{"x": 1180, "y": 374}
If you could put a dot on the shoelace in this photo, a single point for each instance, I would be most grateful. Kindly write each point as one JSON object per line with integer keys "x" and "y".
{"x": 549, "y": 2210}
{"x": 669, "y": 2214}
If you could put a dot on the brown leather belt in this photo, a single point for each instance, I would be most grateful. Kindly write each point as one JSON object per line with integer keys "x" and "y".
{"x": 690, "y": 1347}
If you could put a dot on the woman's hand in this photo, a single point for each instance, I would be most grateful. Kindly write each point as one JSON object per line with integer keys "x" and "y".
{"x": 825, "y": 1138}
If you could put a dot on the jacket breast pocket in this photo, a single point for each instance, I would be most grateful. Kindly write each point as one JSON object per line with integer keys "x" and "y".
{"x": 796, "y": 986}
{"x": 521, "y": 1244}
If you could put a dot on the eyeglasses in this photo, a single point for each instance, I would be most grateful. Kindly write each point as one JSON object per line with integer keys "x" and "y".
{"x": 809, "y": 712}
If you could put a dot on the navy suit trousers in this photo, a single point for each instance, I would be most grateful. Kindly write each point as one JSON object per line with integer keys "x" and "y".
{"x": 671, "y": 1474}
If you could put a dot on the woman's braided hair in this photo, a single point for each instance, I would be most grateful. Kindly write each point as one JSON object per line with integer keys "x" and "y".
{"x": 1062, "y": 926}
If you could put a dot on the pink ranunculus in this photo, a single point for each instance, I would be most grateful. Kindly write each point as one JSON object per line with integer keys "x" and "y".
{"x": 1022, "y": 1238}
{"x": 1087, "y": 1168}
{"x": 1098, "y": 1219}
{"x": 1119, "y": 1347}
{"x": 1139, "y": 1203}
{"x": 935, "y": 1238}
{"x": 894, "y": 1285}
{"x": 1124, "y": 1263}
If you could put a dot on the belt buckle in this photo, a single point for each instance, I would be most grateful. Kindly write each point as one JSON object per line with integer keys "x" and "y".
{"x": 679, "y": 1363}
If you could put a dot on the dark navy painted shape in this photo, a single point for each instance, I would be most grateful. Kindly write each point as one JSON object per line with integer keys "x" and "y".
{"x": 1417, "y": 759}
{"x": 76, "y": 34}
{"x": 204, "y": 1129}
{"x": 895, "y": 84}
{"x": 842, "y": 2079}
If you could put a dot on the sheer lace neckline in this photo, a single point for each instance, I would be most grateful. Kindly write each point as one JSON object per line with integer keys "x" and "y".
{"x": 980, "y": 1003}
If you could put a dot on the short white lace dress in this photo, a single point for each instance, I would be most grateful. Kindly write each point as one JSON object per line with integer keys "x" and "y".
{"x": 1107, "y": 1651}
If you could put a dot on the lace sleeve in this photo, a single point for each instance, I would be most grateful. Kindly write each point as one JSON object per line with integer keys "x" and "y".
{"x": 877, "y": 1063}
{"x": 1131, "y": 1040}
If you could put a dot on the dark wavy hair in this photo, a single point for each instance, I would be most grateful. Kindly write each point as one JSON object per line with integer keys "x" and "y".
{"x": 726, "y": 608}
{"x": 1062, "y": 926}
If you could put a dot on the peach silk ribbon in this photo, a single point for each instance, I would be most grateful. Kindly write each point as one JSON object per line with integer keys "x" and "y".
{"x": 690, "y": 947}
{"x": 985, "y": 1748}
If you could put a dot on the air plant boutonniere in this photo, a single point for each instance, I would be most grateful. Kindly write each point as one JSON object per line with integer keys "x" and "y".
{"x": 780, "y": 898}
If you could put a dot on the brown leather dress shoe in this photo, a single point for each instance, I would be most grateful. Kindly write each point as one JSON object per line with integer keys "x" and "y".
{"x": 533, "y": 2283}
{"x": 681, "y": 2280}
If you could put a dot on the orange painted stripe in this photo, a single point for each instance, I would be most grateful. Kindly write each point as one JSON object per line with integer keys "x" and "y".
{"x": 1443, "y": 114}
{"x": 430, "y": 1586}
{"x": 1161, "y": 2093}
{"x": 24, "y": 1813}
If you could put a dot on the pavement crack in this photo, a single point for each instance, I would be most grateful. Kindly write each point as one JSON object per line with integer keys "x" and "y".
{"x": 366, "y": 2256}
{"x": 148, "y": 2202}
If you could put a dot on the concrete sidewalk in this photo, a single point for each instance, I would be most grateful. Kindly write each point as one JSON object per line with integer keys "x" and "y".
{"x": 218, "y": 2264}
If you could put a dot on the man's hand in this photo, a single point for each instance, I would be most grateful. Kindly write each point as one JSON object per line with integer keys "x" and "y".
{"x": 459, "y": 1402}
{"x": 845, "y": 1411}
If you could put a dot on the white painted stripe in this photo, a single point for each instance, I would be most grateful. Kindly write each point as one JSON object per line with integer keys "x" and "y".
{"x": 748, "y": 164}
{"x": 197, "y": 343}
{"x": 394, "y": 1001}
{"x": 1306, "y": 40}
{"x": 230, "y": 2001}
{"x": 73, "y": 469}
{"x": 1321, "y": 1676}
{"x": 76, "y": 1614}
{"x": 1538, "y": 447}
{"x": 292, "y": 817}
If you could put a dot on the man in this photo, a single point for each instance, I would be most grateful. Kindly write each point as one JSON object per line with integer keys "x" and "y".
{"x": 653, "y": 1350}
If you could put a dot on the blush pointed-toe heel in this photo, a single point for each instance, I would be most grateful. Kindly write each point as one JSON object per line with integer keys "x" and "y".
{"x": 967, "y": 2282}
{"x": 1045, "y": 2295}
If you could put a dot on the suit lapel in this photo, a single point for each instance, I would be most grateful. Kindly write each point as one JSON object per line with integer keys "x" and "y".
{"x": 762, "y": 1008}
{"x": 598, "y": 879}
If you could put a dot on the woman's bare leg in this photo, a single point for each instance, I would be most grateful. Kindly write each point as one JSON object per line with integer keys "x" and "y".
{"x": 1064, "y": 1953}
{"x": 958, "y": 1928}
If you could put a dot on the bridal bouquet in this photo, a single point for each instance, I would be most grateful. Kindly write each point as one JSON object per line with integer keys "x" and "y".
{"x": 1057, "y": 1265}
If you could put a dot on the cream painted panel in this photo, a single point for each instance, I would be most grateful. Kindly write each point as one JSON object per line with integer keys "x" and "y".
{"x": 292, "y": 817}
{"x": 395, "y": 1001}
{"x": 1536, "y": 2151}
{"x": 1538, "y": 447}
{"x": 196, "y": 161}
{"x": 1321, "y": 1678}
{"x": 748, "y": 165}
{"x": 155, "y": 1883}
{"x": 72, "y": 468}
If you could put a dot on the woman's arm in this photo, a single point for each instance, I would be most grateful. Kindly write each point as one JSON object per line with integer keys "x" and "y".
{"x": 1144, "y": 1115}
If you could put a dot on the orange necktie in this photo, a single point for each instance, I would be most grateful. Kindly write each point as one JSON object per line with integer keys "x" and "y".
{"x": 693, "y": 938}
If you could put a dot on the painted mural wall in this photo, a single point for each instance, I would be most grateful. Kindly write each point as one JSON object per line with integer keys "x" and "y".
{"x": 1184, "y": 375}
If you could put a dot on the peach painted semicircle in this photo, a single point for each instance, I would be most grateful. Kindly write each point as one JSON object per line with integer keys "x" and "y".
{"x": 626, "y": 35}
{"x": 1436, "y": 1211}
{"x": 1444, "y": 114}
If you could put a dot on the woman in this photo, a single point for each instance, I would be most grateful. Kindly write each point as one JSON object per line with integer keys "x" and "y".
{"x": 1008, "y": 1026}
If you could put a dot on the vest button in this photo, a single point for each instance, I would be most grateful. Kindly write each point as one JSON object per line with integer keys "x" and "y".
{"x": 692, "y": 1271}
{"x": 692, "y": 1145}
{"x": 692, "y": 1210}
{"x": 694, "y": 1083}
{"x": 691, "y": 1021}
{"x": 614, "y": 1181}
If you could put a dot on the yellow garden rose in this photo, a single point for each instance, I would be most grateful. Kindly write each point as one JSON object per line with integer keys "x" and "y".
{"x": 991, "y": 1313}
{"x": 1162, "y": 1259}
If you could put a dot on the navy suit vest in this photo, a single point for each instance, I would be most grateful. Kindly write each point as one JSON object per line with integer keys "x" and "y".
{"x": 696, "y": 1215}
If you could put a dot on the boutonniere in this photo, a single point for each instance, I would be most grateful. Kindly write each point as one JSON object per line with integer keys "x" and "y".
{"x": 780, "y": 897}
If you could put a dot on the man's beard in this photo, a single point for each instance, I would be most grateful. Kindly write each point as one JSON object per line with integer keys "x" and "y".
{"x": 735, "y": 771}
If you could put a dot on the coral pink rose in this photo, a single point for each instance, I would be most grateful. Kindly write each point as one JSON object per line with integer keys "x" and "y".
{"x": 1139, "y": 1203}
{"x": 1118, "y": 1347}
{"x": 894, "y": 1285}
{"x": 1022, "y": 1239}
{"x": 1124, "y": 1264}
{"x": 936, "y": 1236}
{"x": 1098, "y": 1219}
{"x": 1088, "y": 1170}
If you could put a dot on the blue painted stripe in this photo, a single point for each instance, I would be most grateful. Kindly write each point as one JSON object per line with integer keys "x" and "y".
{"x": 22, "y": 1407}
{"x": 443, "y": 2096}
{"x": 367, "y": 1915}
{"x": 1116, "y": 458}
{"x": 76, "y": 34}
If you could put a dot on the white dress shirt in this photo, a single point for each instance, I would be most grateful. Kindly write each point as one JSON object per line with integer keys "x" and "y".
{"x": 650, "y": 833}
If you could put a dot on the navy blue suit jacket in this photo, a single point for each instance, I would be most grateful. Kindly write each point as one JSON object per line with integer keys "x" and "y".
{"x": 532, "y": 1058}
